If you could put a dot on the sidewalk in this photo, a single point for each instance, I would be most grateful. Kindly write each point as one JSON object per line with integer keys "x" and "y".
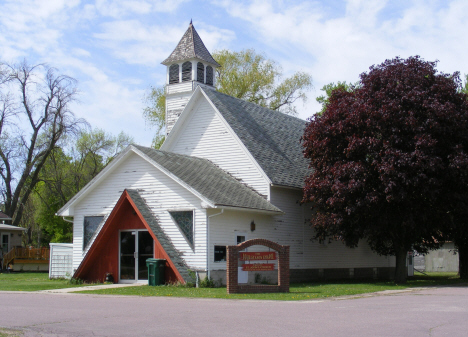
{"x": 103, "y": 286}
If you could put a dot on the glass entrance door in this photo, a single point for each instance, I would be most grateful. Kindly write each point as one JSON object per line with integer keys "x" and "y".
{"x": 127, "y": 255}
{"x": 145, "y": 251}
{"x": 135, "y": 248}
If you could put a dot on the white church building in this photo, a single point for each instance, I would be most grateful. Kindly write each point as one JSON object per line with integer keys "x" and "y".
{"x": 228, "y": 171}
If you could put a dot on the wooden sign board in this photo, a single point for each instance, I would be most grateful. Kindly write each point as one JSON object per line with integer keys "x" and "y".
{"x": 257, "y": 256}
{"x": 258, "y": 267}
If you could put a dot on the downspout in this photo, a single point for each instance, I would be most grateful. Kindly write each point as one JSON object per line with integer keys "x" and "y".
{"x": 208, "y": 241}
{"x": 70, "y": 221}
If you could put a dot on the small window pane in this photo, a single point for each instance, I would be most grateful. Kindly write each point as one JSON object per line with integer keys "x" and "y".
{"x": 219, "y": 253}
{"x": 200, "y": 72}
{"x": 209, "y": 75}
{"x": 186, "y": 71}
{"x": 91, "y": 224}
{"x": 240, "y": 238}
{"x": 184, "y": 220}
{"x": 174, "y": 74}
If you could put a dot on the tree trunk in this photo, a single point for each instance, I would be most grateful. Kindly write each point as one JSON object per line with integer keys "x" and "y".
{"x": 463, "y": 261}
{"x": 401, "y": 271}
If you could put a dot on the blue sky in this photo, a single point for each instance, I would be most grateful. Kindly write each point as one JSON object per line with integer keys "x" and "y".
{"x": 114, "y": 48}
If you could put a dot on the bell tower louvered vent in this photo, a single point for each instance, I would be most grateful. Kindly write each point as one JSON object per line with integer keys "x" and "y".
{"x": 200, "y": 72}
{"x": 174, "y": 74}
{"x": 186, "y": 71}
{"x": 209, "y": 75}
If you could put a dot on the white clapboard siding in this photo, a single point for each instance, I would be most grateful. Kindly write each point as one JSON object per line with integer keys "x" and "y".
{"x": 179, "y": 87}
{"x": 293, "y": 229}
{"x": 178, "y": 101}
{"x": 160, "y": 192}
{"x": 205, "y": 135}
{"x": 225, "y": 227}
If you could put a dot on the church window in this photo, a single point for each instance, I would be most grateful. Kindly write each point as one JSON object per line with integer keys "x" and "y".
{"x": 90, "y": 226}
{"x": 184, "y": 219}
{"x": 219, "y": 253}
{"x": 174, "y": 74}
{"x": 200, "y": 72}
{"x": 209, "y": 75}
{"x": 186, "y": 71}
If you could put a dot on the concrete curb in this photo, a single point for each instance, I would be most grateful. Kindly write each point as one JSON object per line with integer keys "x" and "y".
{"x": 97, "y": 287}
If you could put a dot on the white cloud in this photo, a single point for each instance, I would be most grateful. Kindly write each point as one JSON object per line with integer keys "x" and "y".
{"x": 214, "y": 37}
{"x": 114, "y": 47}
{"x": 106, "y": 101}
{"x": 123, "y": 8}
{"x": 341, "y": 46}
{"x": 32, "y": 26}
{"x": 44, "y": 31}
{"x": 79, "y": 52}
{"x": 136, "y": 43}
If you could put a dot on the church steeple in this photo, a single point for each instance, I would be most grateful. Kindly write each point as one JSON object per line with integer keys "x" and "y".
{"x": 190, "y": 46}
{"x": 189, "y": 65}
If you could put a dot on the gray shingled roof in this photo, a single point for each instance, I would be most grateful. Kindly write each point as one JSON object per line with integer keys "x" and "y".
{"x": 3, "y": 216}
{"x": 216, "y": 185}
{"x": 190, "y": 46}
{"x": 272, "y": 138}
{"x": 166, "y": 243}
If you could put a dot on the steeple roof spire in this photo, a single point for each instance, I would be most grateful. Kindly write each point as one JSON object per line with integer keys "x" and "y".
{"x": 190, "y": 46}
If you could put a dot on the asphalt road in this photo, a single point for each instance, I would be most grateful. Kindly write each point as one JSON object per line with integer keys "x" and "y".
{"x": 428, "y": 312}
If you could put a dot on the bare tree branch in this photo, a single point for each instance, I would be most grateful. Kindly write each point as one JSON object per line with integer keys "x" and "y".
{"x": 38, "y": 99}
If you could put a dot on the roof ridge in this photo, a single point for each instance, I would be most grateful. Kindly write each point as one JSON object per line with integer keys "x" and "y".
{"x": 209, "y": 181}
{"x": 172, "y": 153}
{"x": 193, "y": 42}
{"x": 241, "y": 181}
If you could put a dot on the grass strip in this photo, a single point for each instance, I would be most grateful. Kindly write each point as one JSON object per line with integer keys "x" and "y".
{"x": 305, "y": 291}
{"x": 30, "y": 281}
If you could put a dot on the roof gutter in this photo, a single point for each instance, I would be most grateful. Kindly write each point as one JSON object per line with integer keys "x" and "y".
{"x": 63, "y": 217}
{"x": 254, "y": 210}
{"x": 287, "y": 187}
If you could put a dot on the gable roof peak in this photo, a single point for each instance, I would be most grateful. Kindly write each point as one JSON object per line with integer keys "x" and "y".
{"x": 190, "y": 46}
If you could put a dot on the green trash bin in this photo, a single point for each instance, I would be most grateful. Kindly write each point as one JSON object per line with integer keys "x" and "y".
{"x": 156, "y": 269}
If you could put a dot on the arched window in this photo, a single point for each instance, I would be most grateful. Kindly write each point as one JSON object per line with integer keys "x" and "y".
{"x": 174, "y": 74}
{"x": 186, "y": 71}
{"x": 200, "y": 72}
{"x": 209, "y": 75}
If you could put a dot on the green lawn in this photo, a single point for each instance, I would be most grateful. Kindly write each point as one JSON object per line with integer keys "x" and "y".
{"x": 39, "y": 281}
{"x": 297, "y": 291}
{"x": 23, "y": 281}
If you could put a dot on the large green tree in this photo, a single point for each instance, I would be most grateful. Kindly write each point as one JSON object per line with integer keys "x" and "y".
{"x": 328, "y": 90}
{"x": 464, "y": 88}
{"x": 246, "y": 75}
{"x": 386, "y": 158}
